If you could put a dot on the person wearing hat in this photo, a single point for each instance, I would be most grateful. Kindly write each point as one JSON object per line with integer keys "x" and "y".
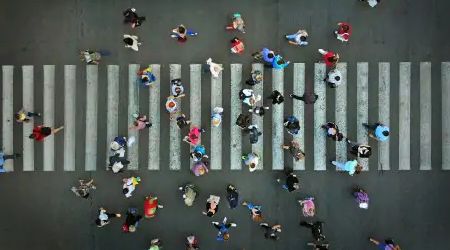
{"x": 24, "y": 116}
{"x": 216, "y": 117}
{"x": 129, "y": 185}
{"x": 333, "y": 78}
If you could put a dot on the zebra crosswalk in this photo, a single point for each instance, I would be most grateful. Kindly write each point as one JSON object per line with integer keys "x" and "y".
{"x": 217, "y": 148}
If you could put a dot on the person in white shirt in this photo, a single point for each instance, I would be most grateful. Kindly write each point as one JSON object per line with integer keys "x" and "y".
{"x": 298, "y": 38}
{"x": 131, "y": 42}
{"x": 214, "y": 68}
{"x": 334, "y": 78}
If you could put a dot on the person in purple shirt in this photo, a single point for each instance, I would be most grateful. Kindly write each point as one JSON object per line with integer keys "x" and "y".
{"x": 378, "y": 131}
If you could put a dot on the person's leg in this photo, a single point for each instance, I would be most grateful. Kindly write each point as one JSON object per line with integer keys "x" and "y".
{"x": 297, "y": 97}
{"x": 306, "y": 224}
{"x": 31, "y": 114}
{"x": 291, "y": 37}
{"x": 13, "y": 156}
{"x": 191, "y": 32}
{"x": 56, "y": 130}
{"x": 374, "y": 241}
{"x": 339, "y": 165}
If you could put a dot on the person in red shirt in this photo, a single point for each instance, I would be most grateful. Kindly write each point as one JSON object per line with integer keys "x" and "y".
{"x": 329, "y": 57}
{"x": 237, "y": 46}
{"x": 343, "y": 32}
{"x": 40, "y": 132}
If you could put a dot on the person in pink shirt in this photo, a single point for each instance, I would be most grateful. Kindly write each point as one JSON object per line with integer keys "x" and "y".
{"x": 140, "y": 122}
{"x": 343, "y": 32}
{"x": 329, "y": 57}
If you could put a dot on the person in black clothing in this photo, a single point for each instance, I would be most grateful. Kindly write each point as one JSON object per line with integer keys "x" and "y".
{"x": 131, "y": 221}
{"x": 316, "y": 229}
{"x": 271, "y": 231}
{"x": 254, "y": 133}
{"x": 308, "y": 98}
{"x": 244, "y": 121}
{"x": 255, "y": 78}
{"x": 318, "y": 246}
{"x": 292, "y": 182}
{"x": 182, "y": 121}
{"x": 232, "y": 196}
{"x": 132, "y": 17}
{"x": 276, "y": 97}
{"x": 333, "y": 131}
{"x": 292, "y": 124}
{"x": 359, "y": 150}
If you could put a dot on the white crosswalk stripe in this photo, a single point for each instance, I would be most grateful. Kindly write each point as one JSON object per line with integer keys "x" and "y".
{"x": 258, "y": 147}
{"x": 382, "y": 98}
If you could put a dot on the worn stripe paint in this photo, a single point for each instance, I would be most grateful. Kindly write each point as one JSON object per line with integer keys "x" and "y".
{"x": 384, "y": 83}
{"x": 216, "y": 132}
{"x": 49, "y": 116}
{"x": 277, "y": 122}
{"x": 69, "y": 116}
{"x": 425, "y": 116}
{"x": 404, "y": 116}
{"x": 28, "y": 105}
{"x": 362, "y": 97}
{"x": 112, "y": 111}
{"x": 91, "y": 117}
{"x": 174, "y": 148}
{"x": 258, "y": 147}
{"x": 8, "y": 114}
{"x": 236, "y": 109}
{"x": 445, "y": 78}
{"x": 319, "y": 118}
{"x": 133, "y": 108}
{"x": 154, "y": 134}
{"x": 299, "y": 110}
{"x": 341, "y": 113}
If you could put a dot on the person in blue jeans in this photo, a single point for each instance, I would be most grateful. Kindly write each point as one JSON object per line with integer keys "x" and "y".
{"x": 4, "y": 158}
{"x": 255, "y": 211}
{"x": 181, "y": 33}
{"x": 378, "y": 131}
{"x": 223, "y": 227}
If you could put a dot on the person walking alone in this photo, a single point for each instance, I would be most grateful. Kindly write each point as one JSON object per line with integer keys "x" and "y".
{"x": 343, "y": 32}
{"x": 25, "y": 116}
{"x": 329, "y": 57}
{"x": 307, "y": 97}
{"x": 131, "y": 42}
{"x": 40, "y": 132}
{"x": 377, "y": 131}
{"x": 351, "y": 166}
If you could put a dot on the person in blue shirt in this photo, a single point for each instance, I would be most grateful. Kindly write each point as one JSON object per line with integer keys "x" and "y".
{"x": 378, "y": 131}
{"x": 223, "y": 227}
{"x": 351, "y": 166}
{"x": 292, "y": 124}
{"x": 279, "y": 63}
{"x": 4, "y": 158}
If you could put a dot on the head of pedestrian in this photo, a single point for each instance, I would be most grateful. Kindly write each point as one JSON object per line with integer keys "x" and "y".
{"x": 32, "y": 136}
{"x": 385, "y": 133}
{"x": 281, "y": 61}
{"x": 181, "y": 29}
{"x": 345, "y": 27}
{"x": 271, "y": 54}
{"x": 303, "y": 38}
{"x": 226, "y": 236}
{"x": 358, "y": 169}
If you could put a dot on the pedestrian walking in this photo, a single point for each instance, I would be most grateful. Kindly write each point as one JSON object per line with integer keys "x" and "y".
{"x": 40, "y": 132}
{"x": 131, "y": 42}
{"x": 198, "y": 153}
{"x": 299, "y": 38}
{"x": 248, "y": 97}
{"x": 255, "y": 211}
{"x": 251, "y": 160}
{"x": 243, "y": 121}
{"x": 292, "y": 182}
{"x": 216, "y": 116}
{"x": 25, "y": 116}
{"x": 256, "y": 77}
{"x": 193, "y": 137}
{"x": 332, "y": 131}
{"x": 214, "y": 68}
{"x": 172, "y": 105}
{"x": 155, "y": 244}
{"x": 129, "y": 185}
{"x": 132, "y": 18}
{"x": 294, "y": 149}
{"x": 212, "y": 205}
{"x": 307, "y": 97}
{"x": 181, "y": 33}
{"x": 351, "y": 166}
{"x": 131, "y": 221}
{"x": 223, "y": 228}
{"x": 140, "y": 122}
{"x": 254, "y": 133}
{"x": 279, "y": 63}
{"x": 316, "y": 229}
{"x": 4, "y": 157}
{"x": 103, "y": 217}
{"x": 333, "y": 78}
{"x": 232, "y": 196}
{"x": 329, "y": 57}
{"x": 90, "y": 57}
{"x": 192, "y": 243}
{"x": 147, "y": 77}
{"x": 388, "y": 244}
{"x": 277, "y": 97}
{"x": 118, "y": 162}
{"x": 151, "y": 205}
{"x": 200, "y": 168}
{"x": 266, "y": 55}
{"x": 259, "y": 110}
{"x": 308, "y": 206}
{"x": 84, "y": 188}
{"x": 361, "y": 197}
{"x": 182, "y": 121}
{"x": 292, "y": 124}
{"x": 237, "y": 23}
{"x": 377, "y": 131}
{"x": 237, "y": 46}
{"x": 359, "y": 150}
{"x": 318, "y": 246}
{"x": 271, "y": 231}
{"x": 176, "y": 87}
{"x": 372, "y": 3}
{"x": 189, "y": 193}
{"x": 343, "y": 32}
